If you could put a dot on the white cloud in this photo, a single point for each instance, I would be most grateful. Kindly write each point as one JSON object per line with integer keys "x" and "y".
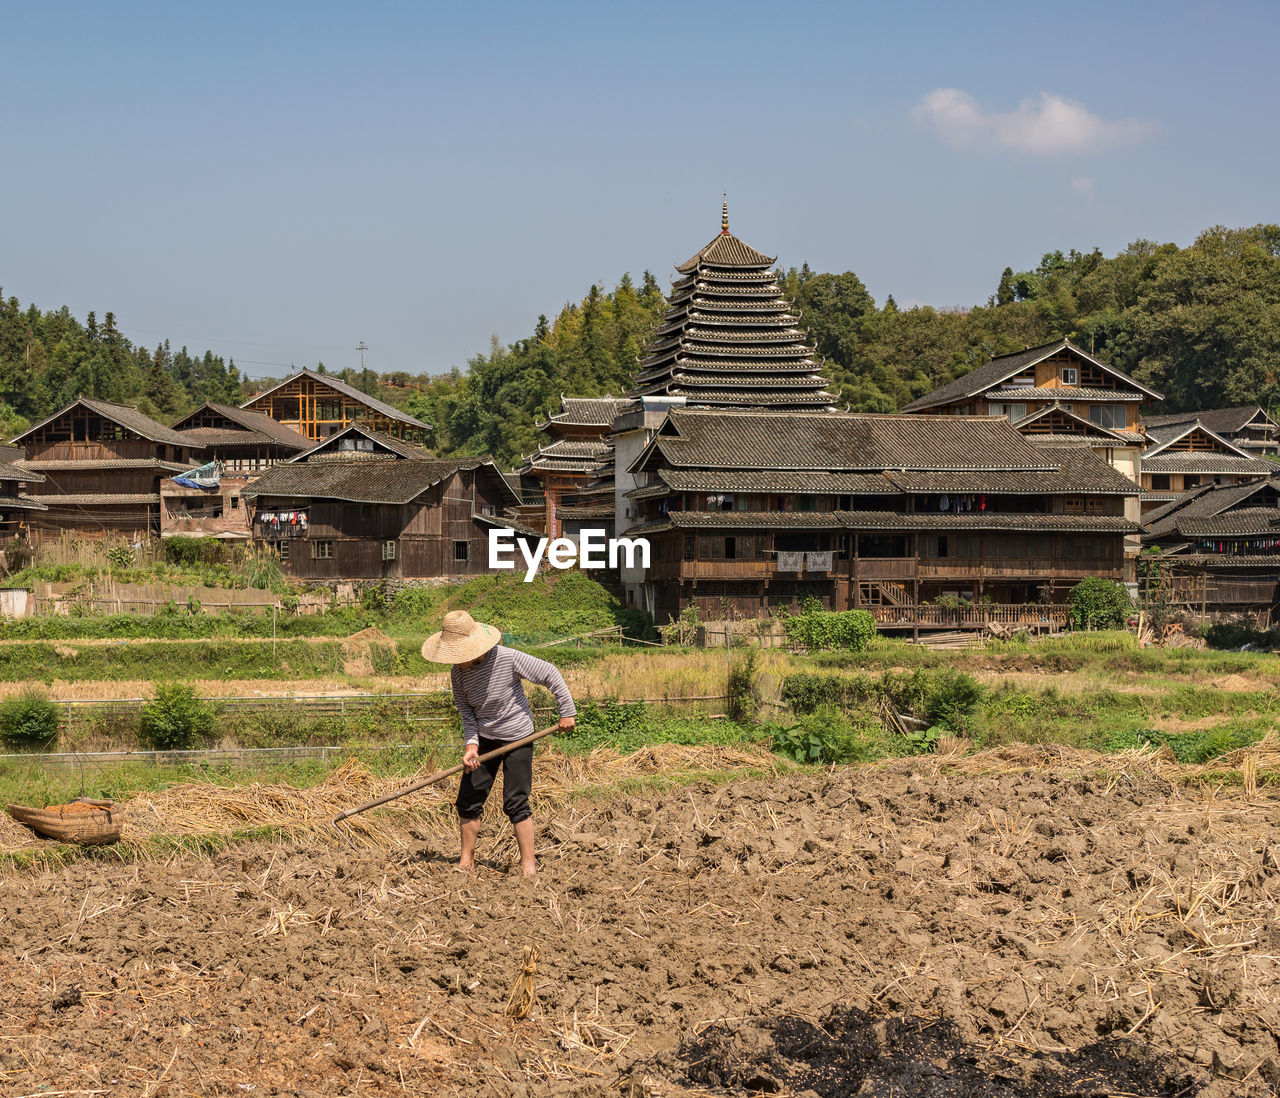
{"x": 1046, "y": 126}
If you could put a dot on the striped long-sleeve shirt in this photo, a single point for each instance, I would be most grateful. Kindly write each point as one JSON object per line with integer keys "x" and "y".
{"x": 490, "y": 696}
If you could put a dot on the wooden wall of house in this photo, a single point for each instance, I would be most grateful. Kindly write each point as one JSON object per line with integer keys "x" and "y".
{"x": 113, "y": 481}
{"x": 105, "y": 520}
{"x": 433, "y": 536}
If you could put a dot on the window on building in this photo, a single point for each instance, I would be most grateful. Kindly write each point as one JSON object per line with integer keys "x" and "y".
{"x": 942, "y": 546}
{"x": 322, "y": 550}
{"x": 1023, "y": 381}
{"x": 1114, "y": 416}
{"x": 1015, "y": 412}
{"x": 281, "y": 548}
{"x": 235, "y": 503}
{"x": 1070, "y": 375}
{"x": 389, "y": 550}
{"x": 461, "y": 551}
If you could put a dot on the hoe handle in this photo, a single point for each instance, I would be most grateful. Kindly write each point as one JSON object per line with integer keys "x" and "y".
{"x": 441, "y": 776}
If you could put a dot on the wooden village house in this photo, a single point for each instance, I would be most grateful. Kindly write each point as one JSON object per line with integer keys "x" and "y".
{"x": 101, "y": 465}
{"x": 318, "y": 405}
{"x": 16, "y": 507}
{"x": 1057, "y": 389}
{"x": 1215, "y": 550}
{"x": 364, "y": 505}
{"x": 1248, "y": 427}
{"x": 746, "y": 511}
{"x": 1185, "y": 454}
{"x": 242, "y": 445}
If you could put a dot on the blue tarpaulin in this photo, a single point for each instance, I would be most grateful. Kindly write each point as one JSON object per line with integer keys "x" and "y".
{"x": 207, "y": 476}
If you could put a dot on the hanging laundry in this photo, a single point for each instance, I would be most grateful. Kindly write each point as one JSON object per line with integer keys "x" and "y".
{"x": 790, "y": 562}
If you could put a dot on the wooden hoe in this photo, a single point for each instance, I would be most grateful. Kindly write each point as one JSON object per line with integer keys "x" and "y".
{"x": 434, "y": 779}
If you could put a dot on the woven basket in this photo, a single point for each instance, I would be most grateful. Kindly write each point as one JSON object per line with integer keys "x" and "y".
{"x": 90, "y": 823}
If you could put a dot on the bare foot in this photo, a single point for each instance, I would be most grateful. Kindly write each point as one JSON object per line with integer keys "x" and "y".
{"x": 529, "y": 870}
{"x": 466, "y": 867}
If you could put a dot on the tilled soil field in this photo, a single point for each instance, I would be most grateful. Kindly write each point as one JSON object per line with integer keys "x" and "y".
{"x": 1003, "y": 925}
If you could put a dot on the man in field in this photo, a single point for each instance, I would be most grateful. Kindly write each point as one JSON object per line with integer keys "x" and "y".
{"x": 488, "y": 690}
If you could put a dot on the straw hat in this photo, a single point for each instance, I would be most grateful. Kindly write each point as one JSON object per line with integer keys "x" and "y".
{"x": 462, "y": 639}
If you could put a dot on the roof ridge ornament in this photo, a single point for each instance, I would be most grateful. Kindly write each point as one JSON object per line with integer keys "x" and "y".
{"x": 724, "y": 217}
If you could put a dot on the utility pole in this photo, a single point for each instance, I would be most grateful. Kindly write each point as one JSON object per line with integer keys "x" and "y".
{"x": 362, "y": 348}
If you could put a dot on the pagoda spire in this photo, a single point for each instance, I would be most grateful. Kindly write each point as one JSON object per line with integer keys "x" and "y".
{"x": 730, "y": 339}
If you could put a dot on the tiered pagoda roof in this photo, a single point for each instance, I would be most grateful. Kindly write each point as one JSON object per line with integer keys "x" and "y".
{"x": 729, "y": 339}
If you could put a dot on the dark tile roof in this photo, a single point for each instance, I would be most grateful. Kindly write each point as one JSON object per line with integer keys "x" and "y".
{"x": 19, "y": 472}
{"x": 560, "y": 465}
{"x": 1033, "y": 395}
{"x": 242, "y": 423}
{"x": 70, "y": 465}
{"x": 1243, "y": 520}
{"x": 586, "y": 412}
{"x": 726, "y": 250}
{"x": 1202, "y": 462}
{"x": 990, "y": 374}
{"x": 1225, "y": 421}
{"x": 20, "y": 503}
{"x": 838, "y": 442}
{"x": 565, "y": 447}
{"x": 815, "y": 399}
{"x": 765, "y": 480}
{"x": 888, "y": 520}
{"x": 1227, "y": 562}
{"x": 359, "y": 482}
{"x": 330, "y": 449}
{"x": 126, "y": 416}
{"x": 1079, "y": 470}
{"x": 347, "y": 390}
{"x": 85, "y": 499}
{"x": 1203, "y": 502}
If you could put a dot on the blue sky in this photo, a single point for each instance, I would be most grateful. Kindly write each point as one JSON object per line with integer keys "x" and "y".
{"x": 279, "y": 181}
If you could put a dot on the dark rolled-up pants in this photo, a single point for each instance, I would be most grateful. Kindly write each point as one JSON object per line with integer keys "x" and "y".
{"x": 517, "y": 781}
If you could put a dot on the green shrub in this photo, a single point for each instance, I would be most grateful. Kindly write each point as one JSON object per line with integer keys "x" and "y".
{"x": 822, "y": 629}
{"x": 742, "y": 701}
{"x": 176, "y": 718}
{"x": 28, "y": 719}
{"x": 187, "y": 552}
{"x": 415, "y": 603}
{"x": 829, "y": 735}
{"x": 951, "y": 698}
{"x": 263, "y": 572}
{"x": 121, "y": 556}
{"x": 1098, "y": 603}
{"x": 1199, "y": 746}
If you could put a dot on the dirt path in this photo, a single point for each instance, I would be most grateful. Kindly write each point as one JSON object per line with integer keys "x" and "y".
{"x": 686, "y": 938}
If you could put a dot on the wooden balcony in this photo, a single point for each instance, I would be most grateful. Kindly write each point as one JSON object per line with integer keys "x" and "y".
{"x": 1033, "y": 568}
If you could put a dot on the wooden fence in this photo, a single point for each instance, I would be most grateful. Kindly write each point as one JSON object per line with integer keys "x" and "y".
{"x": 1030, "y": 616}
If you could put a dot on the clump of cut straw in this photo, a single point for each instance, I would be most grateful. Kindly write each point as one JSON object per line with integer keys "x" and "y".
{"x": 520, "y": 1001}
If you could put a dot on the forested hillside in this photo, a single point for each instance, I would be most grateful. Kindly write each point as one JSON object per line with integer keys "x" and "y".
{"x": 1201, "y": 324}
